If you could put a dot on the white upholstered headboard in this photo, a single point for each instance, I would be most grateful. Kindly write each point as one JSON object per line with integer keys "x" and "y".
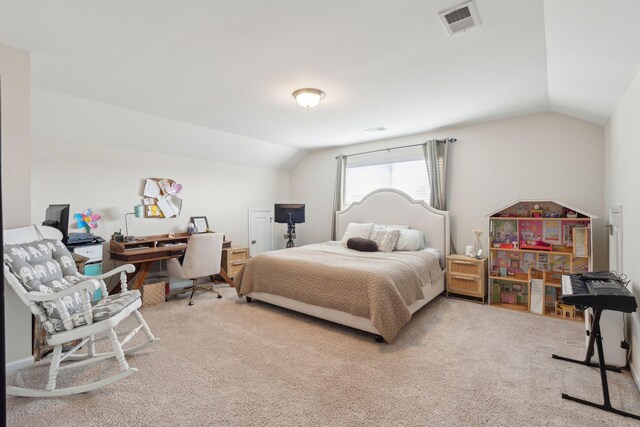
{"x": 389, "y": 206}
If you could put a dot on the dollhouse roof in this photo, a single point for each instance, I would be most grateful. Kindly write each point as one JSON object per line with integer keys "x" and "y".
{"x": 558, "y": 202}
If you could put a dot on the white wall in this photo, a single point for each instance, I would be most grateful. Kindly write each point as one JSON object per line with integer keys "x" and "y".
{"x": 93, "y": 155}
{"x": 622, "y": 177}
{"x": 15, "y": 78}
{"x": 543, "y": 156}
{"x": 109, "y": 181}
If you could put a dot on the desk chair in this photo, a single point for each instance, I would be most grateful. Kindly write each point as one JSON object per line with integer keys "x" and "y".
{"x": 201, "y": 259}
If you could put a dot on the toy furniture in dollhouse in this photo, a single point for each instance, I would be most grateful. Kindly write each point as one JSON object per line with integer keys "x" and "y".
{"x": 565, "y": 310}
{"x": 537, "y": 241}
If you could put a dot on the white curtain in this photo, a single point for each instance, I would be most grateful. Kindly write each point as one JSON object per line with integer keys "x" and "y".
{"x": 338, "y": 197}
{"x": 435, "y": 155}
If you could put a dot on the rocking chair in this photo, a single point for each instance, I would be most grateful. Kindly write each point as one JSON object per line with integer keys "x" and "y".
{"x": 41, "y": 271}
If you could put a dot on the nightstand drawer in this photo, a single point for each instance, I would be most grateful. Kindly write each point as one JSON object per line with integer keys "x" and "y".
{"x": 466, "y": 285}
{"x": 465, "y": 267}
{"x": 466, "y": 276}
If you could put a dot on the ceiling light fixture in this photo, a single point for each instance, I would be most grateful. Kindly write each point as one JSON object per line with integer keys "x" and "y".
{"x": 308, "y": 97}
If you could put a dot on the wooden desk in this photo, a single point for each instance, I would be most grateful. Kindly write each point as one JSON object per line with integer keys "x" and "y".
{"x": 80, "y": 261}
{"x": 143, "y": 251}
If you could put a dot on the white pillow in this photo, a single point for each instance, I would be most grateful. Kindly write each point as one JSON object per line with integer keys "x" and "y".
{"x": 404, "y": 227}
{"x": 386, "y": 238}
{"x": 411, "y": 240}
{"x": 356, "y": 230}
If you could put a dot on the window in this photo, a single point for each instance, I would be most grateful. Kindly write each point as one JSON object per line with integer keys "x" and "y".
{"x": 403, "y": 169}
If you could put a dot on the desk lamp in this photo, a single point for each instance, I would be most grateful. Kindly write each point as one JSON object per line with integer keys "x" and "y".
{"x": 138, "y": 211}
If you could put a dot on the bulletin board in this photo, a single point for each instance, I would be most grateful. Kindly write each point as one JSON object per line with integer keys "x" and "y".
{"x": 160, "y": 198}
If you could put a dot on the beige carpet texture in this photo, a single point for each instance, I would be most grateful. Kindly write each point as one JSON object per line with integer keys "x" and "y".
{"x": 228, "y": 363}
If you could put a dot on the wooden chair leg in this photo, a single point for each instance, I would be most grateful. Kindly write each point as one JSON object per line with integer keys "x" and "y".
{"x": 226, "y": 278}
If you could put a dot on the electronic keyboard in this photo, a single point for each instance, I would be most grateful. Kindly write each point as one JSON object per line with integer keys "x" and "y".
{"x": 601, "y": 291}
{"x": 598, "y": 290}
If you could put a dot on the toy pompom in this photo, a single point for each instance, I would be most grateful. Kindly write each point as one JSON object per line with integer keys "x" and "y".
{"x": 87, "y": 219}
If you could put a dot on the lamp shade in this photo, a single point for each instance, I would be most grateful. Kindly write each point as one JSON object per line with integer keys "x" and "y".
{"x": 138, "y": 211}
{"x": 308, "y": 97}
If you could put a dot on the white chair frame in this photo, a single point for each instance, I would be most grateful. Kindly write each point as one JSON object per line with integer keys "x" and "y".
{"x": 87, "y": 334}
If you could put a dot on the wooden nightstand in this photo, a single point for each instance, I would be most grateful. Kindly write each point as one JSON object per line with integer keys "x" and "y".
{"x": 233, "y": 259}
{"x": 467, "y": 276}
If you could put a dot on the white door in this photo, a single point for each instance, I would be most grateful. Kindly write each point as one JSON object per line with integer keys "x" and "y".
{"x": 260, "y": 230}
{"x": 615, "y": 239}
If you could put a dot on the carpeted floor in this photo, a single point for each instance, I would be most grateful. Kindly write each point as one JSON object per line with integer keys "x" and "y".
{"x": 226, "y": 362}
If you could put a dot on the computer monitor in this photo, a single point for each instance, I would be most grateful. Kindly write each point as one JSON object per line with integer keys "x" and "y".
{"x": 282, "y": 212}
{"x": 57, "y": 216}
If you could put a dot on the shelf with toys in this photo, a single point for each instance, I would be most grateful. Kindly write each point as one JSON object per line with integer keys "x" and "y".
{"x": 532, "y": 243}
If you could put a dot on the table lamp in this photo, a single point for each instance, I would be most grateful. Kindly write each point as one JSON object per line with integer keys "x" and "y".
{"x": 138, "y": 211}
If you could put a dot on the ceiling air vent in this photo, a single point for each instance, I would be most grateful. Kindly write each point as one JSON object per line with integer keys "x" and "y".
{"x": 460, "y": 19}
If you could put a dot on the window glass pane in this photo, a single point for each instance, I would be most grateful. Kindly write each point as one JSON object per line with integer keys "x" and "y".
{"x": 405, "y": 171}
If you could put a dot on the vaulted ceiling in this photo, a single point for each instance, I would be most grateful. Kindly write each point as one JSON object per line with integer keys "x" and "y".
{"x": 232, "y": 65}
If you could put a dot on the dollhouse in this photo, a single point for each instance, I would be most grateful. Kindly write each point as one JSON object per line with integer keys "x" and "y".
{"x": 532, "y": 243}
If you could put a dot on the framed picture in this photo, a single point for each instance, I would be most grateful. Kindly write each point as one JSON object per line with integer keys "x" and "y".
{"x": 514, "y": 255}
{"x": 201, "y": 223}
{"x": 551, "y": 231}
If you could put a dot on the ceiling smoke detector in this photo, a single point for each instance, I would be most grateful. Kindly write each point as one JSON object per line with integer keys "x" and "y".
{"x": 460, "y": 18}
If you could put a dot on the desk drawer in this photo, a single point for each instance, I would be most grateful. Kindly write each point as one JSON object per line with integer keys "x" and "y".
{"x": 235, "y": 267}
{"x": 233, "y": 259}
{"x": 235, "y": 254}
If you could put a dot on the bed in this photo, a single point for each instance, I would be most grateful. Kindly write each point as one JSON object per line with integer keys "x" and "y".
{"x": 357, "y": 289}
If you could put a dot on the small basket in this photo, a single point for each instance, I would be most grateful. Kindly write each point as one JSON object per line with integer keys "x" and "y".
{"x": 153, "y": 293}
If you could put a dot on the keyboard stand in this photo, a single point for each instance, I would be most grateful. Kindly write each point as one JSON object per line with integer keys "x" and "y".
{"x": 596, "y": 338}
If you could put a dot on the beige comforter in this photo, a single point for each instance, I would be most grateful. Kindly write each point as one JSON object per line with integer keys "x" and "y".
{"x": 374, "y": 285}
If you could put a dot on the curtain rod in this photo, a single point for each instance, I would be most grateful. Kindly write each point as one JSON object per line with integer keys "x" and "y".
{"x": 397, "y": 148}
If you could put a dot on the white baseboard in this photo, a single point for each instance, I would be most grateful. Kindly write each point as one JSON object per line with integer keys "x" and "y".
{"x": 19, "y": 364}
{"x": 635, "y": 374}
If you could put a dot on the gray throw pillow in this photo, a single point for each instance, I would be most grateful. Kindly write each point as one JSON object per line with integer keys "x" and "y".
{"x": 361, "y": 244}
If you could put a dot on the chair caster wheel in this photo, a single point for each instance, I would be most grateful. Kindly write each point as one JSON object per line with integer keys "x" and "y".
{"x": 166, "y": 300}
{"x": 219, "y": 296}
{"x": 190, "y": 302}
